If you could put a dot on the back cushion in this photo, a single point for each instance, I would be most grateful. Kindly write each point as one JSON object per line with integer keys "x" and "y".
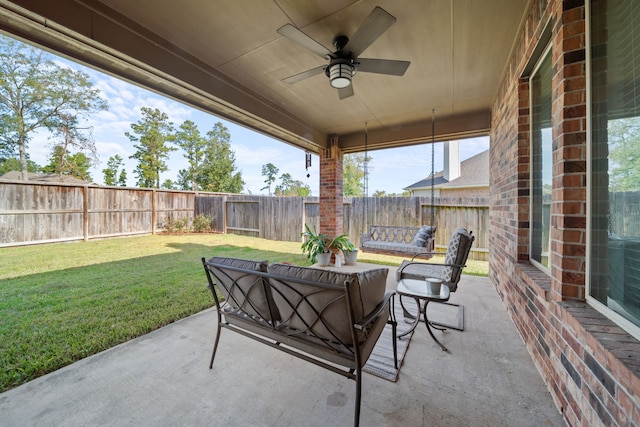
{"x": 322, "y": 311}
{"x": 243, "y": 290}
{"x": 465, "y": 240}
{"x": 457, "y": 253}
{"x": 373, "y": 284}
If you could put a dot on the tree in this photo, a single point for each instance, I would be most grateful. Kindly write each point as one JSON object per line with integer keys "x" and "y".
{"x": 71, "y": 135}
{"x": 152, "y": 132}
{"x": 270, "y": 171}
{"x": 62, "y": 163}
{"x": 218, "y": 171}
{"x": 353, "y": 174}
{"x": 13, "y": 164}
{"x": 189, "y": 139}
{"x": 169, "y": 185}
{"x": 291, "y": 187}
{"x": 37, "y": 93}
{"x": 186, "y": 181}
{"x": 111, "y": 175}
{"x": 379, "y": 193}
{"x": 624, "y": 154}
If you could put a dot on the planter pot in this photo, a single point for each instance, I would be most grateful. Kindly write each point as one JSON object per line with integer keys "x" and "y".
{"x": 350, "y": 257}
{"x": 324, "y": 259}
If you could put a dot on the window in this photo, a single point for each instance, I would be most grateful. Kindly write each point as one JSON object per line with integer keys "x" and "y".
{"x": 614, "y": 196}
{"x": 541, "y": 174}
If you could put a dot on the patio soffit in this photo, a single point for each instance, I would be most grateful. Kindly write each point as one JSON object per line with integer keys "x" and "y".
{"x": 225, "y": 57}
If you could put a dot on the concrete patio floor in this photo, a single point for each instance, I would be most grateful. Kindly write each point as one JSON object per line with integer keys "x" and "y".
{"x": 162, "y": 379}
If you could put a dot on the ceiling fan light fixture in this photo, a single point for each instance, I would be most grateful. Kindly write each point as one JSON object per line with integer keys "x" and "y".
{"x": 340, "y": 74}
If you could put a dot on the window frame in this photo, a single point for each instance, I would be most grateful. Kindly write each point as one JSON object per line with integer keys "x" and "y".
{"x": 627, "y": 325}
{"x": 547, "y": 50}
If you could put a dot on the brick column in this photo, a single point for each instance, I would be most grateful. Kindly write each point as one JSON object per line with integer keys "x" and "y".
{"x": 331, "y": 204}
{"x": 569, "y": 110}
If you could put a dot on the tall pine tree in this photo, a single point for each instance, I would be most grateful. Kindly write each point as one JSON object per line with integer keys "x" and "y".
{"x": 152, "y": 133}
{"x": 114, "y": 173}
{"x": 188, "y": 138}
{"x": 218, "y": 171}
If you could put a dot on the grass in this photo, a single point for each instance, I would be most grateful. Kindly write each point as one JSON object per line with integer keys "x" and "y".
{"x": 62, "y": 302}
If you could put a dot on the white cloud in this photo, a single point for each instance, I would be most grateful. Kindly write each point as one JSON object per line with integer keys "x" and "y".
{"x": 110, "y": 149}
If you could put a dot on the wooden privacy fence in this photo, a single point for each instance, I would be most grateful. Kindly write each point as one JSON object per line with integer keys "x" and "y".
{"x": 268, "y": 217}
{"x": 32, "y": 213}
{"x": 283, "y": 218}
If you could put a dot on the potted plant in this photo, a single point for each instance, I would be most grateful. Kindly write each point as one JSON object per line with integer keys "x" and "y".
{"x": 350, "y": 253}
{"x": 319, "y": 247}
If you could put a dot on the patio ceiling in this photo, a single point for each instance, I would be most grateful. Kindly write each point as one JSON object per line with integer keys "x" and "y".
{"x": 226, "y": 57}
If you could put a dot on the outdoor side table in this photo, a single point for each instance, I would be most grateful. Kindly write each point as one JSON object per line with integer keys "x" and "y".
{"x": 417, "y": 289}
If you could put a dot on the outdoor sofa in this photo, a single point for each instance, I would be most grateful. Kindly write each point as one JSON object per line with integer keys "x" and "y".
{"x": 330, "y": 319}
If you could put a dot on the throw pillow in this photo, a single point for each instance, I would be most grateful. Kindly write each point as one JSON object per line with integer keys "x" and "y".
{"x": 423, "y": 234}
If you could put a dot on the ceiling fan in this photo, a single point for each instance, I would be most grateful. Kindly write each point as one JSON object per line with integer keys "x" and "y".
{"x": 344, "y": 62}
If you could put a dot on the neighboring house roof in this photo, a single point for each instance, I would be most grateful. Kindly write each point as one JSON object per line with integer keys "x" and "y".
{"x": 42, "y": 177}
{"x": 438, "y": 180}
{"x": 474, "y": 172}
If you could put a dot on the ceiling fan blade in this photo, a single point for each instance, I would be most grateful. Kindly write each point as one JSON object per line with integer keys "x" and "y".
{"x": 378, "y": 21}
{"x": 382, "y": 66}
{"x": 295, "y": 35}
{"x": 346, "y": 92}
{"x": 305, "y": 74}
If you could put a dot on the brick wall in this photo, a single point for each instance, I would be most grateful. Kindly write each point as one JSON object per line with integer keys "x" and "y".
{"x": 331, "y": 200}
{"x": 589, "y": 364}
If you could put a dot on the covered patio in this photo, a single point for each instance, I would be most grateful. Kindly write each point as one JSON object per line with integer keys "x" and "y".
{"x": 481, "y": 66}
{"x": 162, "y": 379}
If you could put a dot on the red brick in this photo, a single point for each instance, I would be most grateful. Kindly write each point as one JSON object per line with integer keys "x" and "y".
{"x": 573, "y": 43}
{"x": 571, "y": 126}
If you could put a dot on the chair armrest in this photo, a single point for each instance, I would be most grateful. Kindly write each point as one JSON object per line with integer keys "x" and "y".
{"x": 430, "y": 254}
{"x": 369, "y": 318}
{"x": 439, "y": 264}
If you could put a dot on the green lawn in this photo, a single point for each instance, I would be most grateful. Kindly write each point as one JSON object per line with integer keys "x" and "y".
{"x": 62, "y": 302}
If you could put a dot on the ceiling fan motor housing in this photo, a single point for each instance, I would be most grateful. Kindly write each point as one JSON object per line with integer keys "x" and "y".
{"x": 339, "y": 42}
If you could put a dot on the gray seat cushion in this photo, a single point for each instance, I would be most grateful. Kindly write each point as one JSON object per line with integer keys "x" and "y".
{"x": 396, "y": 247}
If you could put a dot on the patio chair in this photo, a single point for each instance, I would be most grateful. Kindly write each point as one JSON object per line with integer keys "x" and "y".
{"x": 449, "y": 271}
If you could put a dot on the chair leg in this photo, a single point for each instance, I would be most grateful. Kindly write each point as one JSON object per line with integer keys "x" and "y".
{"x": 356, "y": 420}
{"x": 394, "y": 336}
{"x": 460, "y": 325}
{"x": 215, "y": 344}
{"x": 394, "y": 330}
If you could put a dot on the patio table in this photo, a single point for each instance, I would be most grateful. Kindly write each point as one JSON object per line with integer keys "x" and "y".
{"x": 358, "y": 267}
{"x": 417, "y": 289}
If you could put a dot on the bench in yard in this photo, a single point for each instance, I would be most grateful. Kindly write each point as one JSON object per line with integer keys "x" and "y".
{"x": 397, "y": 240}
{"x": 330, "y": 319}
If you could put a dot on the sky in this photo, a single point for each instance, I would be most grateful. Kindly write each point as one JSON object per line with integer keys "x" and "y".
{"x": 390, "y": 170}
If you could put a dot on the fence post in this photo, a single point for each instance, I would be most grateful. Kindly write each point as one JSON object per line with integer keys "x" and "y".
{"x": 85, "y": 212}
{"x": 224, "y": 214}
{"x": 304, "y": 216}
{"x": 154, "y": 213}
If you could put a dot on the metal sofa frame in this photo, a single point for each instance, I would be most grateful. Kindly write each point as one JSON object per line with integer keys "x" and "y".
{"x": 317, "y": 339}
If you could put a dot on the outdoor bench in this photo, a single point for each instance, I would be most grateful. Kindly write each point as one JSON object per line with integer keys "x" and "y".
{"x": 327, "y": 318}
{"x": 398, "y": 240}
